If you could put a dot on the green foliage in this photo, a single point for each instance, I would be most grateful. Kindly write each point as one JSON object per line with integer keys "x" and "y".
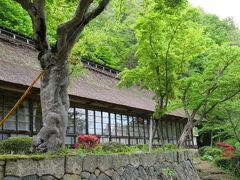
{"x": 142, "y": 147}
{"x": 113, "y": 146}
{"x": 224, "y": 121}
{"x": 110, "y": 148}
{"x": 105, "y": 148}
{"x": 167, "y": 38}
{"x": 220, "y": 31}
{"x": 14, "y": 17}
{"x": 16, "y": 145}
{"x": 210, "y": 151}
{"x": 118, "y": 148}
{"x": 170, "y": 146}
{"x": 108, "y": 40}
{"x": 232, "y": 164}
{"x": 167, "y": 172}
{"x": 207, "y": 158}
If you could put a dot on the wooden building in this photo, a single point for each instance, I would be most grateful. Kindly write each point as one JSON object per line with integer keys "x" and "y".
{"x": 97, "y": 105}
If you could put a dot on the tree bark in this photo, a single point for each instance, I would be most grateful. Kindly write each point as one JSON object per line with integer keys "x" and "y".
{"x": 54, "y": 103}
{"x": 186, "y": 131}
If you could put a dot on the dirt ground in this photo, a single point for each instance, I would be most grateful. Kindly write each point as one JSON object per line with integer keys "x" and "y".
{"x": 208, "y": 171}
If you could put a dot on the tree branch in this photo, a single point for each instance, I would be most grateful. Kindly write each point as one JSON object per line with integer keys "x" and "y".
{"x": 69, "y": 32}
{"x": 233, "y": 126}
{"x": 63, "y": 30}
{"x": 36, "y": 10}
{"x": 221, "y": 101}
{"x": 184, "y": 100}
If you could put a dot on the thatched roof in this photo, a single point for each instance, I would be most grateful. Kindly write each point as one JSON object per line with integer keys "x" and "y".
{"x": 19, "y": 65}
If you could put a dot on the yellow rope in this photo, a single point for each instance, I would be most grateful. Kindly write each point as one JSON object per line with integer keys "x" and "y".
{"x": 20, "y": 100}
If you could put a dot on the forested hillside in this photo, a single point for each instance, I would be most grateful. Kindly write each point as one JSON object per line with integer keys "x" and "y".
{"x": 187, "y": 57}
{"x": 111, "y": 38}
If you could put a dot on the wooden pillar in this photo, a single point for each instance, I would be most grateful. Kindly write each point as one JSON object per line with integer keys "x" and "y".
{"x": 128, "y": 129}
{"x": 109, "y": 126}
{"x": 86, "y": 113}
{"x": 30, "y": 108}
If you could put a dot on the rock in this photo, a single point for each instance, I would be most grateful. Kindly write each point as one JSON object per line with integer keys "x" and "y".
{"x": 97, "y": 172}
{"x": 148, "y": 160}
{"x": 130, "y": 173}
{"x": 190, "y": 156}
{"x": 181, "y": 156}
{"x": 169, "y": 156}
{"x": 104, "y": 177}
{"x": 51, "y": 166}
{"x": 21, "y": 167}
{"x": 175, "y": 157}
{"x": 26, "y": 167}
{"x": 31, "y": 177}
{"x": 47, "y": 178}
{"x": 121, "y": 170}
{"x": 160, "y": 157}
{"x": 153, "y": 166}
{"x": 11, "y": 178}
{"x": 90, "y": 163}
{"x": 74, "y": 164}
{"x": 142, "y": 173}
{"x": 92, "y": 177}
{"x": 2, "y": 163}
{"x": 113, "y": 174}
{"x": 151, "y": 171}
{"x": 1, "y": 172}
{"x": 71, "y": 177}
{"x": 120, "y": 160}
{"x": 134, "y": 160}
{"x": 85, "y": 175}
{"x": 105, "y": 162}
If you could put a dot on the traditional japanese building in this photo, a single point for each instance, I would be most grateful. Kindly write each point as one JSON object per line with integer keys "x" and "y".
{"x": 97, "y": 105}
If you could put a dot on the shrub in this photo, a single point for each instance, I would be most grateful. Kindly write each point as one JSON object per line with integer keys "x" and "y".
{"x": 170, "y": 146}
{"x": 1, "y": 148}
{"x": 222, "y": 162}
{"x": 201, "y": 150}
{"x": 230, "y": 163}
{"x": 210, "y": 151}
{"x": 114, "y": 147}
{"x": 142, "y": 147}
{"x": 109, "y": 148}
{"x": 16, "y": 145}
{"x": 207, "y": 158}
{"x": 226, "y": 146}
{"x": 228, "y": 149}
{"x": 88, "y": 141}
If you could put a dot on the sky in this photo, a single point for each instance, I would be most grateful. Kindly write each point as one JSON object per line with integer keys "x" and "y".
{"x": 222, "y": 8}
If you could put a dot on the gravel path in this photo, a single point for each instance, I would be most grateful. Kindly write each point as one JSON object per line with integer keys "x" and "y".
{"x": 208, "y": 171}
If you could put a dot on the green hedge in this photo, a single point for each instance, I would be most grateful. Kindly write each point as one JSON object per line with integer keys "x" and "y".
{"x": 16, "y": 145}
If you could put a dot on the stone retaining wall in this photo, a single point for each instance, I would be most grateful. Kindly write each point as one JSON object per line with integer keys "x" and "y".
{"x": 168, "y": 165}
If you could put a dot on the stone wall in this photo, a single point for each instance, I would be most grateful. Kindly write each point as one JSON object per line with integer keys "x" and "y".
{"x": 168, "y": 165}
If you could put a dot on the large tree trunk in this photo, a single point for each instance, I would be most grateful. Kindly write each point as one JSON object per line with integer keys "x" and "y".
{"x": 54, "y": 83}
{"x": 54, "y": 103}
{"x": 186, "y": 131}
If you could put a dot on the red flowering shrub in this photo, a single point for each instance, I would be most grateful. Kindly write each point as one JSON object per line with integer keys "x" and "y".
{"x": 87, "y": 141}
{"x": 227, "y": 153}
{"x": 228, "y": 149}
{"x": 226, "y": 146}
